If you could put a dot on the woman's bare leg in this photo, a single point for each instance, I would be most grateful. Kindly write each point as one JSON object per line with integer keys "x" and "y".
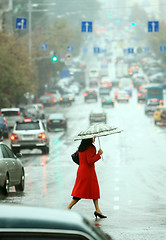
{"x": 73, "y": 202}
{"x": 96, "y": 204}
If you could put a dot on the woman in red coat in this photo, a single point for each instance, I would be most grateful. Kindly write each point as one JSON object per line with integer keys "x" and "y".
{"x": 86, "y": 184}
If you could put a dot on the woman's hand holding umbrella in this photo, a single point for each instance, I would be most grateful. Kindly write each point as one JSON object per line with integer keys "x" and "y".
{"x": 100, "y": 152}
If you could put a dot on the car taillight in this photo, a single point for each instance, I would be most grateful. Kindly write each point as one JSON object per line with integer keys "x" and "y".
{"x": 48, "y": 120}
{"x": 60, "y": 98}
{"x": 110, "y": 84}
{"x": 103, "y": 100}
{"x": 120, "y": 85}
{"x": 144, "y": 90}
{"x": 160, "y": 111}
{"x": 13, "y": 136}
{"x": 70, "y": 98}
{"x": 42, "y": 136}
{"x": 161, "y": 101}
{"x": 113, "y": 100}
{"x": 27, "y": 120}
{"x": 85, "y": 94}
{"x": 18, "y": 113}
{"x": 140, "y": 87}
{"x": 139, "y": 94}
{"x": 127, "y": 96}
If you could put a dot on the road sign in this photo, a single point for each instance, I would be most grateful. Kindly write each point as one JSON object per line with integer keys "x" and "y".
{"x": 21, "y": 23}
{"x": 69, "y": 48}
{"x": 125, "y": 50}
{"x": 153, "y": 26}
{"x": 68, "y": 56}
{"x": 86, "y": 27}
{"x": 131, "y": 50}
{"x": 163, "y": 48}
{"x": 146, "y": 49}
{"x": 96, "y": 50}
{"x": 85, "y": 50}
{"x": 44, "y": 46}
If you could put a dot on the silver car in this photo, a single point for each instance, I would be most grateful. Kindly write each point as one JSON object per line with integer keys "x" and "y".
{"x": 11, "y": 170}
{"x": 30, "y": 134}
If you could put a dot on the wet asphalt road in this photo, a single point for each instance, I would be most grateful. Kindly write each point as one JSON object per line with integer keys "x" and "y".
{"x": 131, "y": 175}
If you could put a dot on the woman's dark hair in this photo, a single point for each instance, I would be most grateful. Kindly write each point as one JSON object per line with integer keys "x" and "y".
{"x": 85, "y": 144}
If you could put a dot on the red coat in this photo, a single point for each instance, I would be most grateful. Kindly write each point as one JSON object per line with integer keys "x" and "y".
{"x": 86, "y": 184}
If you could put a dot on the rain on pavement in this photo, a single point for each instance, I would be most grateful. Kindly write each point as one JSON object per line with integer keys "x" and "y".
{"x": 131, "y": 174}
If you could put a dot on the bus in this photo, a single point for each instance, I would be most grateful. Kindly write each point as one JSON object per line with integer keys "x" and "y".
{"x": 155, "y": 92}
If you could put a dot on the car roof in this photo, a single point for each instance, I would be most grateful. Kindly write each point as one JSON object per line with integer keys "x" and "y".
{"x": 56, "y": 115}
{"x": 40, "y": 218}
{"x": 10, "y": 109}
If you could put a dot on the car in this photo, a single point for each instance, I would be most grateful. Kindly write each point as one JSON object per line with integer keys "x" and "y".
{"x": 41, "y": 223}
{"x": 97, "y": 116}
{"x": 122, "y": 96}
{"x": 34, "y": 111}
{"x": 4, "y": 127}
{"x": 90, "y": 95}
{"x": 106, "y": 82}
{"x": 107, "y": 101}
{"x": 151, "y": 105}
{"x": 29, "y": 134}
{"x": 12, "y": 115}
{"x": 56, "y": 121}
{"x": 141, "y": 94}
{"x": 48, "y": 99}
{"x": 12, "y": 171}
{"x": 104, "y": 91}
{"x": 66, "y": 99}
{"x": 159, "y": 115}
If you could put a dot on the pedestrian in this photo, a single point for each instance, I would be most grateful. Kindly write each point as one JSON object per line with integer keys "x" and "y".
{"x": 86, "y": 184}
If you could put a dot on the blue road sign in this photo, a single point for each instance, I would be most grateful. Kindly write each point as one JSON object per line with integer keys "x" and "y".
{"x": 104, "y": 50}
{"x": 146, "y": 49}
{"x": 130, "y": 50}
{"x": 69, "y": 48}
{"x": 125, "y": 50}
{"x": 44, "y": 46}
{"x": 96, "y": 50}
{"x": 65, "y": 73}
{"x": 86, "y": 27}
{"x": 85, "y": 50}
{"x": 21, "y": 23}
{"x": 163, "y": 48}
{"x": 153, "y": 26}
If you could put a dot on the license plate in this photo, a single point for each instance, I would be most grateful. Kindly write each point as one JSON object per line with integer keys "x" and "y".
{"x": 55, "y": 121}
{"x": 27, "y": 136}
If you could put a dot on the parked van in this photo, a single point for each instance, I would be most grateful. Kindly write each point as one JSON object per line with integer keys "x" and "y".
{"x": 12, "y": 115}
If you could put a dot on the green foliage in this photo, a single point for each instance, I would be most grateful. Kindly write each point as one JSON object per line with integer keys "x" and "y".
{"x": 16, "y": 76}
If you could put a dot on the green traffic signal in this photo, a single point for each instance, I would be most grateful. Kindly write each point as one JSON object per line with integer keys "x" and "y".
{"x": 54, "y": 58}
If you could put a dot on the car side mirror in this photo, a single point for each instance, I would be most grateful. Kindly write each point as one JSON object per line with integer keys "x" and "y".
{"x": 18, "y": 155}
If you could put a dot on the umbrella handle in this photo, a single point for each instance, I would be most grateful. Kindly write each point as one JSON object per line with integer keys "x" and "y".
{"x": 100, "y": 148}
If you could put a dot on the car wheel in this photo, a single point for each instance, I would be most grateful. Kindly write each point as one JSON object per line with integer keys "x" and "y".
{"x": 15, "y": 150}
{"x": 6, "y": 135}
{"x": 45, "y": 150}
{"x": 20, "y": 187}
{"x": 6, "y": 186}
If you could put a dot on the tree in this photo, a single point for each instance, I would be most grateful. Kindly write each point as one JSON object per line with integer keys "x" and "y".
{"x": 16, "y": 75}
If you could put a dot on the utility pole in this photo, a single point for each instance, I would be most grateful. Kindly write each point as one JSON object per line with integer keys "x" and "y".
{"x": 30, "y": 29}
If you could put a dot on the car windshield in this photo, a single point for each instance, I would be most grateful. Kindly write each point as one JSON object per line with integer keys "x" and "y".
{"x": 79, "y": 58}
{"x": 10, "y": 113}
{"x": 27, "y": 126}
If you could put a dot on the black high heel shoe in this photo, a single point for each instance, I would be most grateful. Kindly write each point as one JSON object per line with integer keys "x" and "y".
{"x": 99, "y": 215}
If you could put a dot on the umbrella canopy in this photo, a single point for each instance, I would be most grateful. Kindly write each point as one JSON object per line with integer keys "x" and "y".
{"x": 97, "y": 130}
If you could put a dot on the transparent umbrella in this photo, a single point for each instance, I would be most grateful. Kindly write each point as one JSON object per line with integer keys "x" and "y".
{"x": 97, "y": 130}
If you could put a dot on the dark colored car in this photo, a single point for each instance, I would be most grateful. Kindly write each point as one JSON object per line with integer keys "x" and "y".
{"x": 11, "y": 170}
{"x": 34, "y": 223}
{"x": 151, "y": 105}
{"x": 90, "y": 95}
{"x": 66, "y": 99}
{"x": 56, "y": 121}
{"x": 104, "y": 91}
{"x": 4, "y": 127}
{"x": 108, "y": 101}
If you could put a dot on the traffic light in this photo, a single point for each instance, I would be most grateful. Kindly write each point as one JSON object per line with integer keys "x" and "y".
{"x": 54, "y": 57}
{"x": 133, "y": 24}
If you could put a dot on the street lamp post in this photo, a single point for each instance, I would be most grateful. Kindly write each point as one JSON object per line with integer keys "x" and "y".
{"x": 30, "y": 23}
